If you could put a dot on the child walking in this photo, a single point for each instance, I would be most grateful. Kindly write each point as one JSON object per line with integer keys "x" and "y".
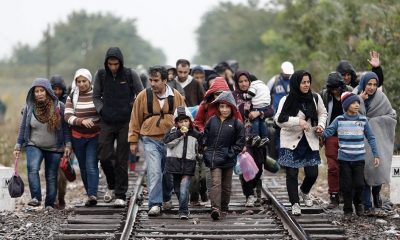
{"x": 351, "y": 127}
{"x": 223, "y": 140}
{"x": 181, "y": 142}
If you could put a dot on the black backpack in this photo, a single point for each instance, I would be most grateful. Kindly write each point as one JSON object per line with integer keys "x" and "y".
{"x": 149, "y": 95}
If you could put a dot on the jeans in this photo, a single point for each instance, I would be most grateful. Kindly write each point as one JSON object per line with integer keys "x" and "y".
{"x": 351, "y": 183}
{"x": 311, "y": 174}
{"x": 117, "y": 173}
{"x": 366, "y": 195}
{"x": 159, "y": 185}
{"x": 85, "y": 150}
{"x": 181, "y": 188}
{"x": 331, "y": 153}
{"x": 34, "y": 156}
{"x": 259, "y": 128}
{"x": 220, "y": 194}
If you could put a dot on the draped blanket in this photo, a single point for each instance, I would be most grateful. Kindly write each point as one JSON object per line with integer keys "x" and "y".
{"x": 382, "y": 119}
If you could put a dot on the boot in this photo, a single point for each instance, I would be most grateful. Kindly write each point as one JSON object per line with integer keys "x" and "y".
{"x": 334, "y": 201}
{"x": 377, "y": 200}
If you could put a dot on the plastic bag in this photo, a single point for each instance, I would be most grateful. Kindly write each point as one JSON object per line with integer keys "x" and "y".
{"x": 68, "y": 170}
{"x": 247, "y": 166}
{"x": 236, "y": 168}
{"x": 16, "y": 185}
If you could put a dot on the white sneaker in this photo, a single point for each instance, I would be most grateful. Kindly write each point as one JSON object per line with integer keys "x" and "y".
{"x": 167, "y": 205}
{"x": 296, "y": 210}
{"x": 306, "y": 198}
{"x": 250, "y": 201}
{"x": 154, "y": 211}
{"x": 108, "y": 196}
{"x": 119, "y": 203}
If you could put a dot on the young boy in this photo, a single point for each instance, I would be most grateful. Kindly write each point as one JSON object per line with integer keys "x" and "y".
{"x": 260, "y": 100}
{"x": 223, "y": 140}
{"x": 351, "y": 127}
{"x": 181, "y": 142}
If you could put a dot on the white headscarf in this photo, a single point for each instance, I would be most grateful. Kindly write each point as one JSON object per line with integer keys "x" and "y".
{"x": 75, "y": 89}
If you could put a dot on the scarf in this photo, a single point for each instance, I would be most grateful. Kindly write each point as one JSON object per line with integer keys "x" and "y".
{"x": 296, "y": 100}
{"x": 44, "y": 113}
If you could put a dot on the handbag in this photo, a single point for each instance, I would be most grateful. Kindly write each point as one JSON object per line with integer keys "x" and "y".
{"x": 271, "y": 165}
{"x": 247, "y": 166}
{"x": 67, "y": 169}
{"x": 15, "y": 185}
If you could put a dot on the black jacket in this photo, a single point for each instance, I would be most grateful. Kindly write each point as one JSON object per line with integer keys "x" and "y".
{"x": 113, "y": 96}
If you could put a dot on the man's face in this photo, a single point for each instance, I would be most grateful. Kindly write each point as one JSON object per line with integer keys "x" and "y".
{"x": 199, "y": 76}
{"x": 183, "y": 72}
{"x": 346, "y": 78}
{"x": 113, "y": 65}
{"x": 157, "y": 84}
{"x": 58, "y": 91}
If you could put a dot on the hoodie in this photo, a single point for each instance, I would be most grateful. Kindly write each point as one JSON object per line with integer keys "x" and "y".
{"x": 58, "y": 81}
{"x": 24, "y": 134}
{"x": 345, "y": 66}
{"x": 113, "y": 96}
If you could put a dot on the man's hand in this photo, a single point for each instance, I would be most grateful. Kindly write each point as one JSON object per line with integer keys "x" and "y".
{"x": 376, "y": 162}
{"x": 374, "y": 59}
{"x": 133, "y": 147}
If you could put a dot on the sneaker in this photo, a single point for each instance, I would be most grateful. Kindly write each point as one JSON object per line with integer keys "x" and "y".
{"x": 184, "y": 216}
{"x": 296, "y": 210}
{"x": 91, "y": 201}
{"x": 348, "y": 216}
{"x": 108, "y": 196}
{"x": 250, "y": 201}
{"x": 370, "y": 212}
{"x": 306, "y": 198}
{"x": 34, "y": 202}
{"x": 256, "y": 141}
{"x": 263, "y": 142}
{"x": 49, "y": 209}
{"x": 334, "y": 201}
{"x": 167, "y": 206}
{"x": 119, "y": 203}
{"x": 359, "y": 209}
{"x": 215, "y": 214}
{"x": 154, "y": 211}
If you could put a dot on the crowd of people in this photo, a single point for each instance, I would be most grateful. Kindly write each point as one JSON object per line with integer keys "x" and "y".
{"x": 194, "y": 122}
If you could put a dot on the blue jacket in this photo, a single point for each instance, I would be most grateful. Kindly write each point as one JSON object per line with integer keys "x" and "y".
{"x": 63, "y": 133}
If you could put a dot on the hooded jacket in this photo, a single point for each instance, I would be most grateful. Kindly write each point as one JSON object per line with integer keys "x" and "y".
{"x": 223, "y": 140}
{"x": 62, "y": 133}
{"x": 345, "y": 66}
{"x": 181, "y": 149}
{"x": 206, "y": 110}
{"x": 58, "y": 81}
{"x": 113, "y": 96}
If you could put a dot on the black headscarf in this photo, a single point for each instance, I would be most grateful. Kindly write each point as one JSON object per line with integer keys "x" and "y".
{"x": 296, "y": 100}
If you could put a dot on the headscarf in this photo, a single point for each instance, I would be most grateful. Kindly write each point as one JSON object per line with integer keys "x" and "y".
{"x": 75, "y": 89}
{"x": 296, "y": 100}
{"x": 363, "y": 83}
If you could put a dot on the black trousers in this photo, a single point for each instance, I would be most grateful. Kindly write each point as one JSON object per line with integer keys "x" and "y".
{"x": 117, "y": 172}
{"x": 351, "y": 183}
{"x": 292, "y": 175}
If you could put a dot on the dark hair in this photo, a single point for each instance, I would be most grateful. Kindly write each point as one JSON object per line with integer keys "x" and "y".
{"x": 183, "y": 62}
{"x": 158, "y": 69}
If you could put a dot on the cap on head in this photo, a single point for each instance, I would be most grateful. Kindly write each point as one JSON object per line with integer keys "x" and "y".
{"x": 348, "y": 98}
{"x": 287, "y": 68}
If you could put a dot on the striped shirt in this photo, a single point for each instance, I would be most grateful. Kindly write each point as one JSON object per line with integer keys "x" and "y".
{"x": 84, "y": 109}
{"x": 351, "y": 131}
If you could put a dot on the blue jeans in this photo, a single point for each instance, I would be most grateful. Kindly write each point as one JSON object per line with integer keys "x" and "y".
{"x": 34, "y": 157}
{"x": 85, "y": 150}
{"x": 259, "y": 128}
{"x": 159, "y": 186}
{"x": 181, "y": 188}
{"x": 366, "y": 195}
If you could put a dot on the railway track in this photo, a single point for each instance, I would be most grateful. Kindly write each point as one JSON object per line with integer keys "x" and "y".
{"x": 270, "y": 219}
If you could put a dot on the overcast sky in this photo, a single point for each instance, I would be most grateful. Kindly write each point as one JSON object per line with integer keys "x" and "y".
{"x": 167, "y": 24}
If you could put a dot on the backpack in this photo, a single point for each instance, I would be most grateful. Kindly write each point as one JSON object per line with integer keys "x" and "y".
{"x": 149, "y": 95}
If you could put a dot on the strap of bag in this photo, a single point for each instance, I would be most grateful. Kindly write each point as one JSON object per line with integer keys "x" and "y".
{"x": 16, "y": 166}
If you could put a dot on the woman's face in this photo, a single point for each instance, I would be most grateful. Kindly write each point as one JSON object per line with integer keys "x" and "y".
{"x": 305, "y": 84}
{"x": 40, "y": 94}
{"x": 225, "y": 110}
{"x": 243, "y": 83}
{"x": 83, "y": 84}
{"x": 371, "y": 86}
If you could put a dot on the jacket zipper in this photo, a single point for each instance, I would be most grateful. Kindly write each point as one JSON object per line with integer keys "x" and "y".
{"x": 215, "y": 144}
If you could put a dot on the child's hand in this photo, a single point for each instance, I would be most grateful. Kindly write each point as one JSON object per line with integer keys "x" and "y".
{"x": 244, "y": 149}
{"x": 319, "y": 131}
{"x": 376, "y": 162}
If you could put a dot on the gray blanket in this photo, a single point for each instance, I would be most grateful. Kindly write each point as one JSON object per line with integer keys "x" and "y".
{"x": 382, "y": 119}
